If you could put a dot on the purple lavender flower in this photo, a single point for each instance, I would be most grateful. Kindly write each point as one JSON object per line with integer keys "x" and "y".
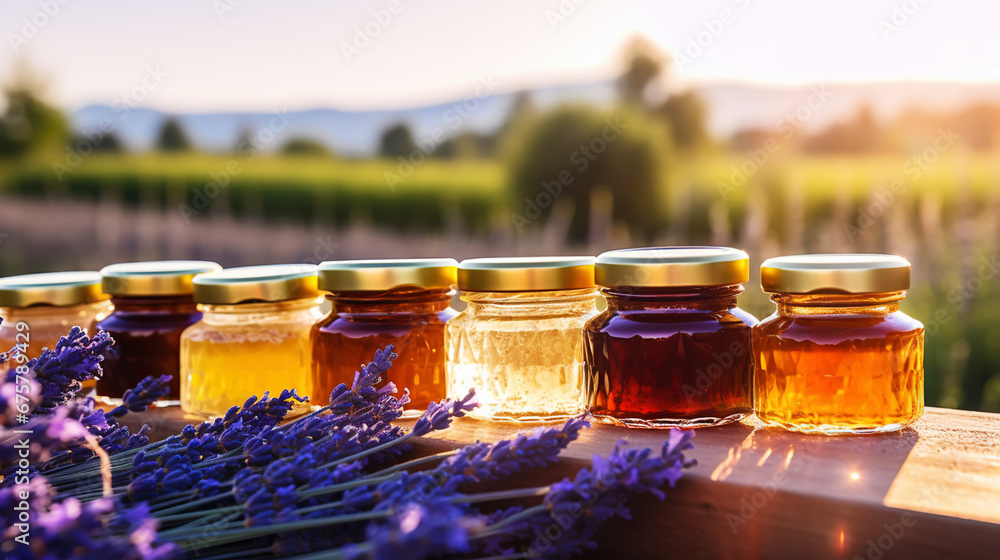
{"x": 363, "y": 394}
{"x": 62, "y": 371}
{"x": 71, "y": 529}
{"x": 113, "y": 438}
{"x": 416, "y": 531}
{"x": 176, "y": 475}
{"x": 406, "y": 488}
{"x": 264, "y": 505}
{"x": 483, "y": 461}
{"x": 10, "y": 404}
{"x": 148, "y": 391}
{"x": 439, "y": 415}
{"x": 597, "y": 494}
{"x": 49, "y": 435}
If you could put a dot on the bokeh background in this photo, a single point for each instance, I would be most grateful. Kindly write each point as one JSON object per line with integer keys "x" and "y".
{"x": 248, "y": 132}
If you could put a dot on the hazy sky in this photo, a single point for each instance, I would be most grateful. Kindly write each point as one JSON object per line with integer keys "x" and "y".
{"x": 259, "y": 54}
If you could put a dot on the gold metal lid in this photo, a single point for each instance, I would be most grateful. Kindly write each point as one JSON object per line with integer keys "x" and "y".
{"x": 526, "y": 274}
{"x": 51, "y": 288}
{"x": 154, "y": 278}
{"x": 249, "y": 284}
{"x": 386, "y": 274}
{"x": 667, "y": 267}
{"x": 853, "y": 273}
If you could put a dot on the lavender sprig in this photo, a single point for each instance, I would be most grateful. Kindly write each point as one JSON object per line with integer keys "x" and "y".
{"x": 342, "y": 399}
{"x": 417, "y": 531}
{"x": 483, "y": 461}
{"x": 62, "y": 371}
{"x": 578, "y": 507}
{"x": 139, "y": 398}
{"x": 439, "y": 415}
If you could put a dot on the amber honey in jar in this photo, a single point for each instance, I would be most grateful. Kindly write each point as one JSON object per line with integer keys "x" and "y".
{"x": 153, "y": 305}
{"x": 402, "y": 302}
{"x": 672, "y": 348}
{"x": 38, "y": 309}
{"x": 519, "y": 343}
{"x": 838, "y": 356}
{"x": 253, "y": 337}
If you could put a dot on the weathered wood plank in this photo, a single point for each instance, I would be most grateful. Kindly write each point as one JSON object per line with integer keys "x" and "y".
{"x": 930, "y": 491}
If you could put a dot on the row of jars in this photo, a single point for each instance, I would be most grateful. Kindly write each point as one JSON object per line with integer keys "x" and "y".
{"x": 671, "y": 348}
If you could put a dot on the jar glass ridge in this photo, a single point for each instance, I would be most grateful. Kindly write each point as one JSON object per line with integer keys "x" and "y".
{"x": 522, "y": 352}
{"x": 839, "y": 364}
{"x": 670, "y": 357}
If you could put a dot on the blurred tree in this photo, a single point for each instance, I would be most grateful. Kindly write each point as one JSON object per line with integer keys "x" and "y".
{"x": 29, "y": 124}
{"x": 644, "y": 63}
{"x": 245, "y": 142}
{"x": 172, "y": 137}
{"x": 523, "y": 115}
{"x": 467, "y": 145}
{"x": 687, "y": 117}
{"x": 978, "y": 125}
{"x": 396, "y": 141}
{"x": 751, "y": 138}
{"x": 860, "y": 135}
{"x": 573, "y": 149}
{"x": 522, "y": 110}
{"x": 304, "y": 147}
{"x": 105, "y": 142}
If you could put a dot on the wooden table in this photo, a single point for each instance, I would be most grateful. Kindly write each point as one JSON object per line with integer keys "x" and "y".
{"x": 930, "y": 491}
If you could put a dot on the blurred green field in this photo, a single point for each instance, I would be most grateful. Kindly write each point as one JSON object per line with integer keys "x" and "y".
{"x": 327, "y": 189}
{"x": 300, "y": 189}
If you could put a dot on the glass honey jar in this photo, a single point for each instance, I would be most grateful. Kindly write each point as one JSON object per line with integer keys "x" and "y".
{"x": 838, "y": 356}
{"x": 47, "y": 306}
{"x": 402, "y": 302}
{"x": 672, "y": 349}
{"x": 153, "y": 305}
{"x": 519, "y": 343}
{"x": 253, "y": 337}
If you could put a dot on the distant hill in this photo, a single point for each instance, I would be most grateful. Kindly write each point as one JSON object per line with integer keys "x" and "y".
{"x": 345, "y": 132}
{"x": 732, "y": 107}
